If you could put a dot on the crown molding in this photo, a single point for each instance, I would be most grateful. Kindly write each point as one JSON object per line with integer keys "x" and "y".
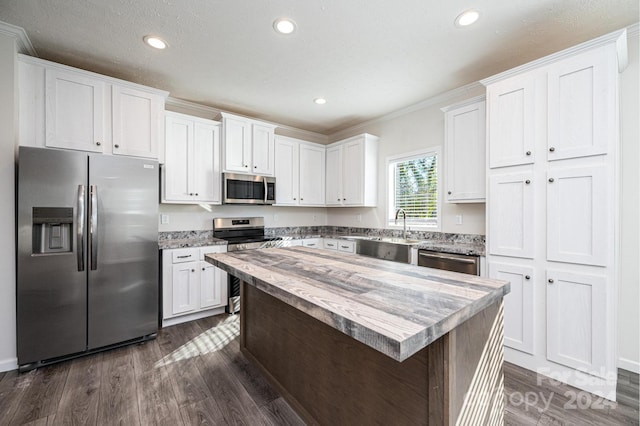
{"x": 464, "y": 103}
{"x": 429, "y": 102}
{"x": 619, "y": 38}
{"x": 23, "y": 44}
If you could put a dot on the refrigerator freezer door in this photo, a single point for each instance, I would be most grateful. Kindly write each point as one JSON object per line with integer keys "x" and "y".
{"x": 123, "y": 287}
{"x": 51, "y": 290}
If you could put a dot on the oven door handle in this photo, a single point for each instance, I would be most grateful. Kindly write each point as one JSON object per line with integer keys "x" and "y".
{"x": 455, "y": 259}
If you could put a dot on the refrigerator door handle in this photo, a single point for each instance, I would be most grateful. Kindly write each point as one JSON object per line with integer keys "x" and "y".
{"x": 93, "y": 226}
{"x": 80, "y": 228}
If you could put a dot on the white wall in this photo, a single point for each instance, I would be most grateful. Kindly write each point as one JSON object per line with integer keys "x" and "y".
{"x": 629, "y": 284}
{"x": 415, "y": 130}
{"x": 8, "y": 126}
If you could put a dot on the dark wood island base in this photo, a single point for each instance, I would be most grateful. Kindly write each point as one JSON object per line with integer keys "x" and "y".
{"x": 330, "y": 378}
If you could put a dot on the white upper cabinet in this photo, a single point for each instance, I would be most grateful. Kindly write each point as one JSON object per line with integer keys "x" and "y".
{"x": 248, "y": 145}
{"x": 352, "y": 178}
{"x": 74, "y": 111}
{"x": 578, "y": 215}
{"x": 582, "y": 102}
{"x": 465, "y": 148}
{"x": 511, "y": 215}
{"x": 137, "y": 120}
{"x": 87, "y": 111}
{"x": 191, "y": 173}
{"x": 299, "y": 172}
{"x": 511, "y": 121}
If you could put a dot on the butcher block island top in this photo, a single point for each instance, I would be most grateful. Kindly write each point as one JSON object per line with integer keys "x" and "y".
{"x": 395, "y": 308}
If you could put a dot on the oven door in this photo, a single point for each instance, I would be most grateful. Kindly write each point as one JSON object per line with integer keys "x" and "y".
{"x": 248, "y": 189}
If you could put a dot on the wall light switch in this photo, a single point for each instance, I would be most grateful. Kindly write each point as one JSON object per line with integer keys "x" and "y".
{"x": 315, "y": 217}
{"x": 458, "y": 219}
{"x": 164, "y": 219}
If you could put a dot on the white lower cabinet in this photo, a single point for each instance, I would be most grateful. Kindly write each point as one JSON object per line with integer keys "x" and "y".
{"x": 313, "y": 242}
{"x": 337, "y": 244}
{"x": 519, "y": 316}
{"x": 192, "y": 287}
{"x": 576, "y": 326}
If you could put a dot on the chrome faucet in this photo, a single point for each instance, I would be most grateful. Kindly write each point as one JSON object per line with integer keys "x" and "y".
{"x": 404, "y": 222}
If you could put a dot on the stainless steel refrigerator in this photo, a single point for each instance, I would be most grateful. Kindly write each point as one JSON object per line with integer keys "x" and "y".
{"x": 87, "y": 255}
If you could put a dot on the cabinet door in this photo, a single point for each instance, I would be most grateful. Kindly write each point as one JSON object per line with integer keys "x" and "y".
{"x": 312, "y": 168}
{"x": 286, "y": 170}
{"x": 578, "y": 224}
{"x": 465, "y": 153}
{"x": 135, "y": 116}
{"x": 334, "y": 176}
{"x": 177, "y": 179}
{"x": 519, "y": 321}
{"x": 237, "y": 145}
{"x": 263, "y": 150}
{"x": 74, "y": 111}
{"x": 582, "y": 105}
{"x": 577, "y": 321}
{"x": 210, "y": 286}
{"x": 185, "y": 291}
{"x": 511, "y": 122}
{"x": 206, "y": 163}
{"x": 353, "y": 173}
{"x": 511, "y": 215}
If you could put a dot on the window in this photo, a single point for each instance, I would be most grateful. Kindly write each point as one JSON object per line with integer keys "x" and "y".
{"x": 413, "y": 187}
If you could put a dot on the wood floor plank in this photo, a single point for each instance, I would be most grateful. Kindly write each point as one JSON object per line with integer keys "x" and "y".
{"x": 12, "y": 388}
{"x": 79, "y": 402}
{"x": 204, "y": 412}
{"x": 43, "y": 396}
{"x": 118, "y": 404}
{"x": 281, "y": 413}
{"x": 156, "y": 398}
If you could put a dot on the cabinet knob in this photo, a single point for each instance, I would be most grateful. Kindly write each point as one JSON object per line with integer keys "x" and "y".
{"x": 527, "y": 181}
{"x": 527, "y": 277}
{"x": 551, "y": 180}
{"x": 301, "y": 199}
{"x": 193, "y": 270}
{"x": 344, "y": 199}
{"x": 338, "y": 199}
{"x": 449, "y": 192}
{"x": 196, "y": 194}
{"x": 255, "y": 167}
{"x": 116, "y": 146}
{"x": 294, "y": 198}
{"x": 550, "y": 280}
{"x": 245, "y": 166}
{"x": 203, "y": 269}
{"x": 191, "y": 193}
{"x": 551, "y": 149}
{"x": 98, "y": 143}
{"x": 528, "y": 153}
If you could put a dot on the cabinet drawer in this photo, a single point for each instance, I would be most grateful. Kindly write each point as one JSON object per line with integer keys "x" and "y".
{"x": 212, "y": 249}
{"x": 184, "y": 255}
{"x": 312, "y": 242}
{"x": 330, "y": 244}
{"x": 347, "y": 246}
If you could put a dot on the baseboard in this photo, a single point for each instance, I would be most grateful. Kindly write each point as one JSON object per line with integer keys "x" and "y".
{"x": 191, "y": 317}
{"x": 8, "y": 364}
{"x": 627, "y": 364}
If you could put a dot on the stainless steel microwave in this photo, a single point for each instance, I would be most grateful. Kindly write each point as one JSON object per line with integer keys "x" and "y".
{"x": 248, "y": 189}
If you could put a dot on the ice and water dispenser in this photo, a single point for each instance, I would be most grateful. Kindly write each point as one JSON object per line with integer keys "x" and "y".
{"x": 52, "y": 230}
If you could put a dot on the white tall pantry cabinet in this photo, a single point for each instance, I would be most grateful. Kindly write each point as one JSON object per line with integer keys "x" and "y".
{"x": 552, "y": 210}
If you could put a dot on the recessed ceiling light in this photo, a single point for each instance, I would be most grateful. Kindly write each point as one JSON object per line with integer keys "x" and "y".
{"x": 284, "y": 25}
{"x": 155, "y": 42}
{"x": 320, "y": 101}
{"x": 467, "y": 18}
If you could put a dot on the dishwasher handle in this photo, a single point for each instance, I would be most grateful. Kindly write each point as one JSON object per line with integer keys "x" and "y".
{"x": 445, "y": 257}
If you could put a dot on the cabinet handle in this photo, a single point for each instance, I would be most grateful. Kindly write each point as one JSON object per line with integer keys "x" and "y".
{"x": 116, "y": 146}
{"x": 551, "y": 149}
{"x": 550, "y": 280}
{"x": 551, "y": 180}
{"x": 449, "y": 192}
{"x": 527, "y": 181}
{"x": 527, "y": 277}
{"x": 528, "y": 153}
{"x": 184, "y": 257}
{"x": 98, "y": 143}
{"x": 345, "y": 247}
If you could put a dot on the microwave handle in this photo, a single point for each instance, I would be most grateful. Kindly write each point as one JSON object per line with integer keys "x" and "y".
{"x": 266, "y": 189}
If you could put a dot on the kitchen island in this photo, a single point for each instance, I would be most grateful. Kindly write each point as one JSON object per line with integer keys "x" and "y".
{"x": 349, "y": 339}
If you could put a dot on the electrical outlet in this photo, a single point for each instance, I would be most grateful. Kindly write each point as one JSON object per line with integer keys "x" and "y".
{"x": 458, "y": 219}
{"x": 275, "y": 218}
{"x": 358, "y": 218}
{"x": 315, "y": 217}
{"x": 164, "y": 219}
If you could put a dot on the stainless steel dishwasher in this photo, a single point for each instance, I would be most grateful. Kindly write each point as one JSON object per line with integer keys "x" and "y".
{"x": 467, "y": 264}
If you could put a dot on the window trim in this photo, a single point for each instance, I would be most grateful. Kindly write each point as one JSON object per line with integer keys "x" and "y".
{"x": 437, "y": 150}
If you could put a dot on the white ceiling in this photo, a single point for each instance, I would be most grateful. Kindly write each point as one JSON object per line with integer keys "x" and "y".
{"x": 366, "y": 57}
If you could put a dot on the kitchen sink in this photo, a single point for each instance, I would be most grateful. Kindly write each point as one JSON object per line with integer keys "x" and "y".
{"x": 394, "y": 249}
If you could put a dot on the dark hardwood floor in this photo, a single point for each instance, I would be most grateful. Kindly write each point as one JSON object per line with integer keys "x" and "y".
{"x": 194, "y": 373}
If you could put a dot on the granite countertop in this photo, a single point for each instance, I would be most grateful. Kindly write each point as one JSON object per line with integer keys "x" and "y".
{"x": 395, "y": 308}
{"x": 191, "y": 241}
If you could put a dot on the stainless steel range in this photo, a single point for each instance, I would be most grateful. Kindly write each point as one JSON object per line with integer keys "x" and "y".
{"x": 242, "y": 233}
